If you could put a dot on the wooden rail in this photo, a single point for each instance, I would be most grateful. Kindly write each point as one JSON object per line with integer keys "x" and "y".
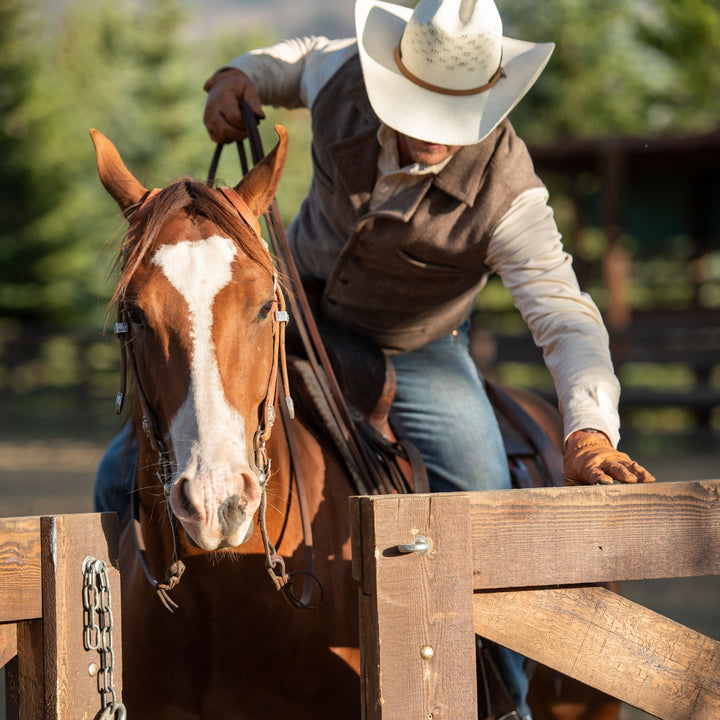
{"x": 50, "y": 674}
{"x": 495, "y": 564}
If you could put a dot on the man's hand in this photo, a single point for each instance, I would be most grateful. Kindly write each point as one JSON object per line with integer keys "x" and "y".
{"x": 226, "y": 89}
{"x": 590, "y": 459}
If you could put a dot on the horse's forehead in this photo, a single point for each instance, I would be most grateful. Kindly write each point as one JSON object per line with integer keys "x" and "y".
{"x": 198, "y": 269}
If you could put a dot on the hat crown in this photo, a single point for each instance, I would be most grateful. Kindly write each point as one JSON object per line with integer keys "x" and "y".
{"x": 455, "y": 44}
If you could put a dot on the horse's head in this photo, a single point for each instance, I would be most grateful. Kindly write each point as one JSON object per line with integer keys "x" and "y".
{"x": 198, "y": 297}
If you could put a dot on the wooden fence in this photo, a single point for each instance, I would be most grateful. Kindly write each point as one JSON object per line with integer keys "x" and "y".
{"x": 496, "y": 565}
{"x": 50, "y": 674}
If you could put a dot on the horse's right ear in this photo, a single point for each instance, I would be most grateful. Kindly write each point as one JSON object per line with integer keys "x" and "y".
{"x": 117, "y": 179}
{"x": 259, "y": 186}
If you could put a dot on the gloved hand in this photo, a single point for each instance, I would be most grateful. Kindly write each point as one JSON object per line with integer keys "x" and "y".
{"x": 590, "y": 459}
{"x": 222, "y": 118}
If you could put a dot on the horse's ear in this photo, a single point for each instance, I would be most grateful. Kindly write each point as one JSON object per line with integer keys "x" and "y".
{"x": 117, "y": 179}
{"x": 259, "y": 186}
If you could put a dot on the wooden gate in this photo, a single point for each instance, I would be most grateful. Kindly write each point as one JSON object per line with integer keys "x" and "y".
{"x": 516, "y": 566}
{"x": 50, "y": 674}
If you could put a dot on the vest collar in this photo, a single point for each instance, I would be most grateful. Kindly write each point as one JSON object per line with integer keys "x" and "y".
{"x": 464, "y": 175}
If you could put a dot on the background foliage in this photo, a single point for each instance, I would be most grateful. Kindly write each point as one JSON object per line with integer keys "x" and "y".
{"x": 135, "y": 71}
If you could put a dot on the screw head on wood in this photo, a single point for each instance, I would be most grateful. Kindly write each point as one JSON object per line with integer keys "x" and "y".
{"x": 427, "y": 652}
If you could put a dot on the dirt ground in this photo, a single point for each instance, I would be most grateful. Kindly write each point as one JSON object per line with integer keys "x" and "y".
{"x": 56, "y": 476}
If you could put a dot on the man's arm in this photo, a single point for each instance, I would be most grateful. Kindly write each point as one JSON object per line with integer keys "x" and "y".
{"x": 526, "y": 251}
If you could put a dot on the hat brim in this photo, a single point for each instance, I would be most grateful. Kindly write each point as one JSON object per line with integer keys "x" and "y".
{"x": 425, "y": 114}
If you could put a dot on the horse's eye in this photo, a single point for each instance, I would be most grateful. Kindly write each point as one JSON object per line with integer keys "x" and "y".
{"x": 135, "y": 316}
{"x": 266, "y": 309}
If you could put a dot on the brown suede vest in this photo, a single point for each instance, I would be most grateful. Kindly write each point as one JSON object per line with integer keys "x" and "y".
{"x": 408, "y": 272}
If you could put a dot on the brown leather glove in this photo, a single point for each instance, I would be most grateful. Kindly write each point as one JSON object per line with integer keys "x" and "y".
{"x": 590, "y": 459}
{"x": 222, "y": 118}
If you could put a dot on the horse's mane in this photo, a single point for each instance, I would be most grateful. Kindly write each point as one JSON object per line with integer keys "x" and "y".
{"x": 197, "y": 200}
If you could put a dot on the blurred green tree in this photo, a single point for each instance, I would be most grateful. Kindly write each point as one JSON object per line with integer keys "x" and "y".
{"x": 685, "y": 38}
{"x": 594, "y": 81}
{"x": 19, "y": 66}
{"x": 128, "y": 70}
{"x": 619, "y": 67}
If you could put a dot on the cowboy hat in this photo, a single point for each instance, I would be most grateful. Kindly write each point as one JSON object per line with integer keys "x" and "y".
{"x": 443, "y": 72}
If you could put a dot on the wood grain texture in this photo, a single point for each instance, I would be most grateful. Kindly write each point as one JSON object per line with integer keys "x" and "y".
{"x": 8, "y": 642}
{"x": 536, "y": 540}
{"x": 580, "y": 535}
{"x": 25, "y": 690}
{"x": 608, "y": 642}
{"x": 21, "y": 597}
{"x": 71, "y": 692}
{"x": 410, "y": 602}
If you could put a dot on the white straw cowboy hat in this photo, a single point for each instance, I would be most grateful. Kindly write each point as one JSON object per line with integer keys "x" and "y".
{"x": 443, "y": 72}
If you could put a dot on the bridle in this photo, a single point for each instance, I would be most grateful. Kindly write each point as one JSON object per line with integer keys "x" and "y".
{"x": 278, "y": 378}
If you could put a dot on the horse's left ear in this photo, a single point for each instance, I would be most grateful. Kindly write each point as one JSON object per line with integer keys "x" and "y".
{"x": 259, "y": 186}
{"x": 116, "y": 178}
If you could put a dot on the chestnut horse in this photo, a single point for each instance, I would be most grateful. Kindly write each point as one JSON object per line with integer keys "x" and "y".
{"x": 200, "y": 302}
{"x": 201, "y": 317}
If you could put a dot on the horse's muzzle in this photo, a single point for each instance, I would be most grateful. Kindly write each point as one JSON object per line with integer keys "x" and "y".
{"x": 216, "y": 512}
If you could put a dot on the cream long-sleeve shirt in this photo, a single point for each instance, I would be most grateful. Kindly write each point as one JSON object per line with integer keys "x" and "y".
{"x": 525, "y": 249}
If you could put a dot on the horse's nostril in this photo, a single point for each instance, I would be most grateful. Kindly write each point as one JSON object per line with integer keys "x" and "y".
{"x": 182, "y": 503}
{"x": 231, "y": 515}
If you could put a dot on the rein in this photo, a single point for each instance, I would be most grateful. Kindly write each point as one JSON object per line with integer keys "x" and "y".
{"x": 365, "y": 452}
{"x": 274, "y": 562}
{"x": 176, "y": 568}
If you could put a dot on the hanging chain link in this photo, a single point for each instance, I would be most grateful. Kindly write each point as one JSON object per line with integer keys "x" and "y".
{"x": 97, "y": 633}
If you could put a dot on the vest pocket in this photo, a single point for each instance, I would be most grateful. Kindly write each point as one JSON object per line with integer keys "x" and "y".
{"x": 424, "y": 265}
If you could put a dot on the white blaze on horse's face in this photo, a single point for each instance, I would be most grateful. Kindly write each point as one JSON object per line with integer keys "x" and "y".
{"x": 215, "y": 492}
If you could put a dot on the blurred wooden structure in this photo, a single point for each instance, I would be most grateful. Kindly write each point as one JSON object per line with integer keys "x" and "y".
{"x": 648, "y": 188}
{"x": 686, "y": 339}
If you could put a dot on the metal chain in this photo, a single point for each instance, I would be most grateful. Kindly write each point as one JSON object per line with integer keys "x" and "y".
{"x": 97, "y": 633}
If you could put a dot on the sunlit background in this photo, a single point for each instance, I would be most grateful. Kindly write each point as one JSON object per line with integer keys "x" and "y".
{"x": 639, "y": 69}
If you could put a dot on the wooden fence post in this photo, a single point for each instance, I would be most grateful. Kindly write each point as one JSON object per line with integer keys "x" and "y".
{"x": 54, "y": 676}
{"x": 419, "y": 645}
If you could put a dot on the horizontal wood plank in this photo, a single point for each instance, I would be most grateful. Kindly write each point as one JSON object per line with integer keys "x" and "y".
{"x": 608, "y": 642}
{"x": 602, "y": 533}
{"x": 21, "y": 596}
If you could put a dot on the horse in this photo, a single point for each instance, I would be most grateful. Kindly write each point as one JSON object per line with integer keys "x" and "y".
{"x": 200, "y": 300}
{"x": 219, "y": 498}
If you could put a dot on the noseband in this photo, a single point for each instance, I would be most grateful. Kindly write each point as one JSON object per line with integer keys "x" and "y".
{"x": 278, "y": 376}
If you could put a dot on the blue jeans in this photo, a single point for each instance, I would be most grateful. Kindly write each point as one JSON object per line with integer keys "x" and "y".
{"x": 441, "y": 406}
{"x": 116, "y": 475}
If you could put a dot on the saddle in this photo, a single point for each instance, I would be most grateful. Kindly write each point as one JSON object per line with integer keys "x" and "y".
{"x": 367, "y": 379}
